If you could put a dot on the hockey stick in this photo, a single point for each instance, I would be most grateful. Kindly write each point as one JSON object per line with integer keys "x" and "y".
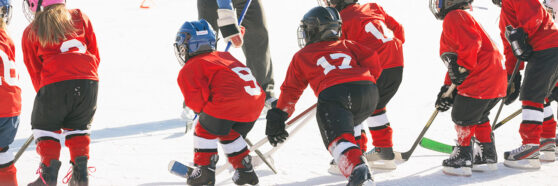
{"x": 240, "y": 19}
{"x": 291, "y": 134}
{"x": 265, "y": 140}
{"x": 514, "y": 73}
{"x": 259, "y": 153}
{"x": 23, "y": 147}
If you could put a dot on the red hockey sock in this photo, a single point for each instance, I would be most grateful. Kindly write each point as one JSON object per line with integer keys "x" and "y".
{"x": 362, "y": 140}
{"x": 531, "y": 126}
{"x": 78, "y": 145}
{"x": 346, "y": 153}
{"x": 205, "y": 146}
{"x": 235, "y": 148}
{"x": 483, "y": 132}
{"x": 464, "y": 134}
{"x": 549, "y": 124}
{"x": 48, "y": 149}
{"x": 381, "y": 136}
{"x": 8, "y": 176}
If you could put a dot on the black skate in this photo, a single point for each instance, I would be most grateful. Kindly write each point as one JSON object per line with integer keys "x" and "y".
{"x": 548, "y": 150}
{"x": 485, "y": 157}
{"x": 79, "y": 172}
{"x": 524, "y": 157}
{"x": 460, "y": 162}
{"x": 204, "y": 175}
{"x": 48, "y": 175}
{"x": 245, "y": 175}
{"x": 381, "y": 158}
{"x": 361, "y": 176}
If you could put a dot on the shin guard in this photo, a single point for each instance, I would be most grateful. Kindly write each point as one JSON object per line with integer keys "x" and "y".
{"x": 346, "y": 153}
{"x": 531, "y": 126}
{"x": 48, "y": 145}
{"x": 77, "y": 142}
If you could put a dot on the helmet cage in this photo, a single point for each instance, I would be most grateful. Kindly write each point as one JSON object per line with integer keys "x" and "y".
{"x": 312, "y": 30}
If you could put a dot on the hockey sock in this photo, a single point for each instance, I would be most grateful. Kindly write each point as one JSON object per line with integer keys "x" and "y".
{"x": 380, "y": 130}
{"x": 235, "y": 148}
{"x": 77, "y": 142}
{"x": 464, "y": 134}
{"x": 205, "y": 146}
{"x": 48, "y": 145}
{"x": 8, "y": 175}
{"x": 549, "y": 124}
{"x": 360, "y": 137}
{"x": 346, "y": 153}
{"x": 483, "y": 132}
{"x": 530, "y": 129}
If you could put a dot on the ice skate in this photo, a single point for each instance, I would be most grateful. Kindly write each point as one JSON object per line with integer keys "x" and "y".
{"x": 460, "y": 162}
{"x": 381, "y": 158}
{"x": 548, "y": 150}
{"x": 245, "y": 175}
{"x": 524, "y": 157}
{"x": 48, "y": 175}
{"x": 204, "y": 175}
{"x": 485, "y": 157}
{"x": 361, "y": 176}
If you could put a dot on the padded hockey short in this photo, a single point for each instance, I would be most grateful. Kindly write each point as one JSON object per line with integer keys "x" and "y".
{"x": 222, "y": 127}
{"x": 67, "y": 104}
{"x": 540, "y": 76}
{"x": 343, "y": 106}
{"x": 8, "y": 130}
{"x": 388, "y": 84}
{"x": 470, "y": 111}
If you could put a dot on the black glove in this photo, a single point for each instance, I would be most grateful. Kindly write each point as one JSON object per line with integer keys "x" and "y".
{"x": 554, "y": 94}
{"x": 518, "y": 42}
{"x": 456, "y": 73}
{"x": 444, "y": 103}
{"x": 513, "y": 92}
{"x": 275, "y": 128}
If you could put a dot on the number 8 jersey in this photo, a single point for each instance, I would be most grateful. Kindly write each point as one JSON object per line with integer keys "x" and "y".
{"x": 10, "y": 93}
{"x": 77, "y": 57}
{"x": 219, "y": 85}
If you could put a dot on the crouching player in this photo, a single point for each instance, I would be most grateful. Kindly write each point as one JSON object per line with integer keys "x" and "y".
{"x": 227, "y": 98}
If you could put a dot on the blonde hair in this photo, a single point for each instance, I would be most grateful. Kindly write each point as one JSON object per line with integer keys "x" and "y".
{"x": 3, "y": 24}
{"x": 52, "y": 25}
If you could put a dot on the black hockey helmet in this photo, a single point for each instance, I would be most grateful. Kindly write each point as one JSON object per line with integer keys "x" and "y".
{"x": 319, "y": 24}
{"x": 441, "y": 7}
{"x": 497, "y": 2}
{"x": 338, "y": 4}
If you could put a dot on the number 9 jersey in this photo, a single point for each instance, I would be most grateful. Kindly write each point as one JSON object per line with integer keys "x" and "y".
{"x": 10, "y": 93}
{"x": 219, "y": 85}
{"x": 76, "y": 57}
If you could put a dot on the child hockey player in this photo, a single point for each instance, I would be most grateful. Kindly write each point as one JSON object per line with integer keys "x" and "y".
{"x": 60, "y": 52}
{"x": 551, "y": 7}
{"x": 474, "y": 65}
{"x": 10, "y": 98}
{"x": 227, "y": 98}
{"x": 342, "y": 74}
{"x": 371, "y": 26}
{"x": 527, "y": 25}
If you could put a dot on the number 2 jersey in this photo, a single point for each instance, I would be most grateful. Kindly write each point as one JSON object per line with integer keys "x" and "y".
{"x": 371, "y": 26}
{"x": 325, "y": 64}
{"x": 219, "y": 85}
{"x": 77, "y": 57}
{"x": 10, "y": 93}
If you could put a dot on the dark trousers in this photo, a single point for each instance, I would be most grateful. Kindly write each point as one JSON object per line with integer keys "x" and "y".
{"x": 388, "y": 84}
{"x": 256, "y": 42}
{"x": 470, "y": 111}
{"x": 541, "y": 74}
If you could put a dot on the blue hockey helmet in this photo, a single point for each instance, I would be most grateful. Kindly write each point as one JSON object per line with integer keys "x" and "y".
{"x": 6, "y": 7}
{"x": 193, "y": 38}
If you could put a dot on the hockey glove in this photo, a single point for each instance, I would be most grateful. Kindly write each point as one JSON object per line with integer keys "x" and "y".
{"x": 229, "y": 27}
{"x": 518, "y": 42}
{"x": 456, "y": 73}
{"x": 513, "y": 92}
{"x": 444, "y": 103}
{"x": 275, "y": 128}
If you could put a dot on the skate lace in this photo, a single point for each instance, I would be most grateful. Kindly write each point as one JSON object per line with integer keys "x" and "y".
{"x": 39, "y": 172}
{"x": 236, "y": 176}
{"x": 519, "y": 150}
{"x": 69, "y": 174}
{"x": 455, "y": 153}
{"x": 196, "y": 173}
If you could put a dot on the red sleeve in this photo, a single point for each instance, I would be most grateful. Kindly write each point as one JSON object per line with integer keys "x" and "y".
{"x": 464, "y": 38}
{"x": 31, "y": 59}
{"x": 194, "y": 84}
{"x": 292, "y": 87}
{"x": 91, "y": 39}
{"x": 529, "y": 14}
{"x": 394, "y": 26}
{"x": 366, "y": 57}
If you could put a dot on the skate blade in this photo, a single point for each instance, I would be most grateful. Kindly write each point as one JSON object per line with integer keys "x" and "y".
{"x": 382, "y": 164}
{"x": 485, "y": 167}
{"x": 334, "y": 170}
{"x": 523, "y": 164}
{"x": 463, "y": 171}
{"x": 547, "y": 156}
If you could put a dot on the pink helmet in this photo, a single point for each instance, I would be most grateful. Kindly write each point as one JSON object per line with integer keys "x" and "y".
{"x": 38, "y": 5}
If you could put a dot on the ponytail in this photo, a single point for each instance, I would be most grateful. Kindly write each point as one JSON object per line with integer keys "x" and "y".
{"x": 51, "y": 25}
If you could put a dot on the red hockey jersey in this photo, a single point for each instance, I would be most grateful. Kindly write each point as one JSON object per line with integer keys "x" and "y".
{"x": 10, "y": 93}
{"x": 534, "y": 19}
{"x": 219, "y": 85}
{"x": 371, "y": 26}
{"x": 77, "y": 57}
{"x": 476, "y": 52}
{"x": 324, "y": 64}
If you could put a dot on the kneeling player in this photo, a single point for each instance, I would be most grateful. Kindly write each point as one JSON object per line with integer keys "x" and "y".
{"x": 225, "y": 95}
{"x": 342, "y": 74}
{"x": 474, "y": 66}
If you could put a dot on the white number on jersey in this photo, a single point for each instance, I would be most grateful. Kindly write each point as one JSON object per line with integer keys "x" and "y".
{"x": 328, "y": 67}
{"x": 385, "y": 37}
{"x": 74, "y": 43}
{"x": 253, "y": 91}
{"x": 9, "y": 67}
